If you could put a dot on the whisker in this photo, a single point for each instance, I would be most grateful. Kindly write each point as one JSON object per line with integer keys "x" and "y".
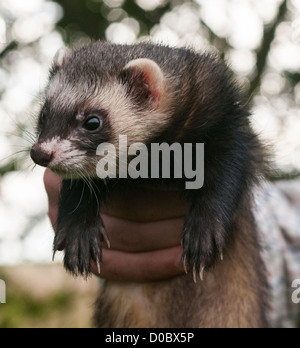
{"x": 91, "y": 185}
{"x": 34, "y": 166}
{"x": 15, "y": 154}
{"x": 80, "y": 201}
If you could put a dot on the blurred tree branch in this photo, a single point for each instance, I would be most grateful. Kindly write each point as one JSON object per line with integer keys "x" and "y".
{"x": 294, "y": 78}
{"x": 10, "y": 47}
{"x": 146, "y": 19}
{"x": 91, "y": 17}
{"x": 263, "y": 53}
{"x": 87, "y": 19}
{"x": 280, "y": 175}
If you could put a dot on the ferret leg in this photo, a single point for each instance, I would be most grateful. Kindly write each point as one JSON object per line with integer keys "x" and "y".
{"x": 208, "y": 223}
{"x": 80, "y": 228}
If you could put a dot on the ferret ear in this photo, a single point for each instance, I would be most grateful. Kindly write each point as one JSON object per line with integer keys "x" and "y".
{"x": 145, "y": 81}
{"x": 61, "y": 57}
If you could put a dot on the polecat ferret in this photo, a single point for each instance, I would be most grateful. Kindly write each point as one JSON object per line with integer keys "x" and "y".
{"x": 152, "y": 94}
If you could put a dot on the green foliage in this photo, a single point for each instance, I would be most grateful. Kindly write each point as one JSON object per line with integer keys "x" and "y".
{"x": 22, "y": 308}
{"x": 12, "y": 166}
{"x": 91, "y": 17}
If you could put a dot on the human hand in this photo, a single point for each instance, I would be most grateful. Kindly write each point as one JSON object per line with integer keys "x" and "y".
{"x": 145, "y": 238}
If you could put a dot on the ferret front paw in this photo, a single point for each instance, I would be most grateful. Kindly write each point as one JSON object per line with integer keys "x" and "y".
{"x": 203, "y": 245}
{"x": 82, "y": 244}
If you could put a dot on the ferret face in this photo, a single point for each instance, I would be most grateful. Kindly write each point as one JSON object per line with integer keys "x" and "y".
{"x": 87, "y": 105}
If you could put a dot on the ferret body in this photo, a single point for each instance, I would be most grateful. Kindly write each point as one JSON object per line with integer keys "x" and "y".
{"x": 156, "y": 94}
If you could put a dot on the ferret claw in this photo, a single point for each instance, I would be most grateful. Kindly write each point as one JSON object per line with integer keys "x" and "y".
{"x": 108, "y": 243}
{"x": 202, "y": 274}
{"x": 195, "y": 275}
{"x": 185, "y": 265}
{"x": 222, "y": 257}
{"x": 53, "y": 256}
{"x": 99, "y": 267}
{"x": 106, "y": 239}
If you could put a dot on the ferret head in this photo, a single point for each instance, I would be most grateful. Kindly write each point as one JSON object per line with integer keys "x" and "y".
{"x": 92, "y": 98}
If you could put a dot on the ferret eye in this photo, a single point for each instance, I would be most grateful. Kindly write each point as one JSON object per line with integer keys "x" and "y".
{"x": 93, "y": 123}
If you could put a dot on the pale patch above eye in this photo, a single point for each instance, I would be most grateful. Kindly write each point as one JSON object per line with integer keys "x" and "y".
{"x": 80, "y": 117}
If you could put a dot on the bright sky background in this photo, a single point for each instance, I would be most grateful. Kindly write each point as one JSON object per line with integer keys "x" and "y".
{"x": 21, "y": 194}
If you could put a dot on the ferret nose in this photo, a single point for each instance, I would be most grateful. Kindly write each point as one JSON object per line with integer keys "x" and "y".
{"x": 40, "y": 157}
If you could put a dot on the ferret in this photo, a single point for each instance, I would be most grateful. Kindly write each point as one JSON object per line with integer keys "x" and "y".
{"x": 157, "y": 94}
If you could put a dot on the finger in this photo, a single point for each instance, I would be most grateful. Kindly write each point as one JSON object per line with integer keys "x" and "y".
{"x": 141, "y": 268}
{"x": 53, "y": 186}
{"x": 130, "y": 236}
{"x": 157, "y": 204}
